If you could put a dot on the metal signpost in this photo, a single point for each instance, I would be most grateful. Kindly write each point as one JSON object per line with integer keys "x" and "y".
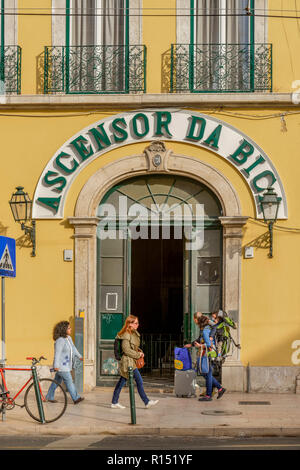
{"x": 7, "y": 269}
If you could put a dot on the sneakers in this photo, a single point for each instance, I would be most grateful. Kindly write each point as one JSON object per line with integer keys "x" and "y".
{"x": 78, "y": 400}
{"x": 151, "y": 403}
{"x": 117, "y": 405}
{"x": 221, "y": 392}
{"x": 52, "y": 401}
{"x": 205, "y": 398}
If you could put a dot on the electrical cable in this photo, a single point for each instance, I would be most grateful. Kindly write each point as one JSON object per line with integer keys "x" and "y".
{"x": 147, "y": 15}
{"x": 275, "y": 226}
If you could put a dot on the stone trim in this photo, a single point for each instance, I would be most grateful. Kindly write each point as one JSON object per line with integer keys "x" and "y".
{"x": 138, "y": 101}
{"x": 11, "y": 23}
{"x": 233, "y": 374}
{"x": 134, "y": 165}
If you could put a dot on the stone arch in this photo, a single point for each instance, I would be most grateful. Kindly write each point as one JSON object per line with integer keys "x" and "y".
{"x": 85, "y": 225}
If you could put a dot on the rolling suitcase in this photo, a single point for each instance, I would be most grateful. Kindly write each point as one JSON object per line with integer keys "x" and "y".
{"x": 185, "y": 383}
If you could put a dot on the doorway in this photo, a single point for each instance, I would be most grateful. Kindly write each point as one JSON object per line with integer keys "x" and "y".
{"x": 157, "y": 284}
{"x": 157, "y": 299}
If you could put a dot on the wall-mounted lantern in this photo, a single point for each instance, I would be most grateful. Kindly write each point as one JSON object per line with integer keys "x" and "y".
{"x": 21, "y": 204}
{"x": 270, "y": 203}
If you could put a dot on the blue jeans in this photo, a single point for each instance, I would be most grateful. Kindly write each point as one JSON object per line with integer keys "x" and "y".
{"x": 67, "y": 378}
{"x": 139, "y": 382}
{"x": 211, "y": 382}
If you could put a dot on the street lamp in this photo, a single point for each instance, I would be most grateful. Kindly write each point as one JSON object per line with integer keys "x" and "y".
{"x": 20, "y": 205}
{"x": 270, "y": 203}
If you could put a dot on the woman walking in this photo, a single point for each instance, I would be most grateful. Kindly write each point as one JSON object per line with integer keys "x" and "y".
{"x": 130, "y": 353}
{"x": 64, "y": 356}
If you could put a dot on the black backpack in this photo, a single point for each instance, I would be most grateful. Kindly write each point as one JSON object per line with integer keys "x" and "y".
{"x": 118, "y": 349}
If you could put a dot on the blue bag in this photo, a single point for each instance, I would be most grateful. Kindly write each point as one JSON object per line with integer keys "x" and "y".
{"x": 203, "y": 365}
{"x": 182, "y": 359}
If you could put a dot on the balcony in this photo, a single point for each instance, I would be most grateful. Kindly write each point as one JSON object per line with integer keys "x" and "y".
{"x": 221, "y": 68}
{"x": 10, "y": 70}
{"x": 94, "y": 69}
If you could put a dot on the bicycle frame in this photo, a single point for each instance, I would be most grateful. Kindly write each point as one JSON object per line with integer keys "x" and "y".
{"x": 5, "y": 385}
{"x": 39, "y": 397}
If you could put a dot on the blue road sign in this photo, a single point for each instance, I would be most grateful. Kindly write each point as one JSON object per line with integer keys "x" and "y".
{"x": 7, "y": 257}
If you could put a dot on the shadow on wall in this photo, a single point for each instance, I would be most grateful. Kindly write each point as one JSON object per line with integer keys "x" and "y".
{"x": 3, "y": 230}
{"x": 263, "y": 242}
{"x": 166, "y": 71}
{"x": 40, "y": 79}
{"x": 24, "y": 241}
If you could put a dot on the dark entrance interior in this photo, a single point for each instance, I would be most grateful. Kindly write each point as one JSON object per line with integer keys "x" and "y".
{"x": 157, "y": 299}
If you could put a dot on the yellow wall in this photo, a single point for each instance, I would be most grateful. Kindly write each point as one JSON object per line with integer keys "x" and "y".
{"x": 34, "y": 32}
{"x": 284, "y": 34}
{"x": 42, "y": 292}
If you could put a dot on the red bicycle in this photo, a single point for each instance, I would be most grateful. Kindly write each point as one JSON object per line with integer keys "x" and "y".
{"x": 35, "y": 402}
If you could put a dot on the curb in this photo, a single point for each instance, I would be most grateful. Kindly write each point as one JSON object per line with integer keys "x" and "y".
{"x": 137, "y": 430}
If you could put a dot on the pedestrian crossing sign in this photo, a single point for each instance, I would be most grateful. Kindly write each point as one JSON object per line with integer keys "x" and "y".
{"x": 7, "y": 257}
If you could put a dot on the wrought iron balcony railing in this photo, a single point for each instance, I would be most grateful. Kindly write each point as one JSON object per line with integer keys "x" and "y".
{"x": 95, "y": 69}
{"x": 10, "y": 70}
{"x": 220, "y": 68}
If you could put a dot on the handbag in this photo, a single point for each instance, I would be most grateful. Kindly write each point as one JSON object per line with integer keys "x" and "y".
{"x": 203, "y": 363}
{"x": 140, "y": 362}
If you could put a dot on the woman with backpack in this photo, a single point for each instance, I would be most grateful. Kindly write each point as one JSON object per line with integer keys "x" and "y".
{"x": 130, "y": 339}
{"x": 211, "y": 382}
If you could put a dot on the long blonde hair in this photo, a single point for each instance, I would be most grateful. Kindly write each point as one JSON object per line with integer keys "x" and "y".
{"x": 126, "y": 328}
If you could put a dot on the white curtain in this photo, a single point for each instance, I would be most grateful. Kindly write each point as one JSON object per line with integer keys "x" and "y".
{"x": 221, "y": 29}
{"x": 97, "y": 22}
{"x": 99, "y": 26}
{"x": 221, "y": 63}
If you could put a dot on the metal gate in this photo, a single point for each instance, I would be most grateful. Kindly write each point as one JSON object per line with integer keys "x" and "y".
{"x": 159, "y": 353}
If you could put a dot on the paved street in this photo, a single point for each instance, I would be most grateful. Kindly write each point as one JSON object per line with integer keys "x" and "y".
{"x": 149, "y": 443}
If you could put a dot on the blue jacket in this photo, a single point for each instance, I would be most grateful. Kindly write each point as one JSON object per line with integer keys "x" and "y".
{"x": 205, "y": 334}
{"x": 64, "y": 354}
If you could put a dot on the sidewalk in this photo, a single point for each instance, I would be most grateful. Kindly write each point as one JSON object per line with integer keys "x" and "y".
{"x": 171, "y": 416}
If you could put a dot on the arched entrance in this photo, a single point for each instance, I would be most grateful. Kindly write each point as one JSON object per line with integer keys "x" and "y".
{"x": 86, "y": 221}
{"x": 148, "y": 266}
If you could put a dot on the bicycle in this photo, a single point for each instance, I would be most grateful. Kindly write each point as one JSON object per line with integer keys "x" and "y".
{"x": 35, "y": 402}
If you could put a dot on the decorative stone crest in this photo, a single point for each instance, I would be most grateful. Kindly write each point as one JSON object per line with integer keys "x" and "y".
{"x": 157, "y": 156}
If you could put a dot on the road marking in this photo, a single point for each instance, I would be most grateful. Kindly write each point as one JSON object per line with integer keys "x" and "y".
{"x": 74, "y": 442}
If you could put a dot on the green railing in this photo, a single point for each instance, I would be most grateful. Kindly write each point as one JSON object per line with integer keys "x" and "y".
{"x": 221, "y": 68}
{"x": 10, "y": 70}
{"x": 95, "y": 69}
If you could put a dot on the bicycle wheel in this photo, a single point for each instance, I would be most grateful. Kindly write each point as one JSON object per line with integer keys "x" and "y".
{"x": 52, "y": 411}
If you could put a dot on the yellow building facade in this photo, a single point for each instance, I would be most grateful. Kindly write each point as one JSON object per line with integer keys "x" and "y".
{"x": 142, "y": 98}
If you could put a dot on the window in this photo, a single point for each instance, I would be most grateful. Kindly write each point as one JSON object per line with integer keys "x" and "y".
{"x": 96, "y": 48}
{"x": 10, "y": 52}
{"x": 220, "y": 51}
{"x": 221, "y": 44}
{"x": 96, "y": 40}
